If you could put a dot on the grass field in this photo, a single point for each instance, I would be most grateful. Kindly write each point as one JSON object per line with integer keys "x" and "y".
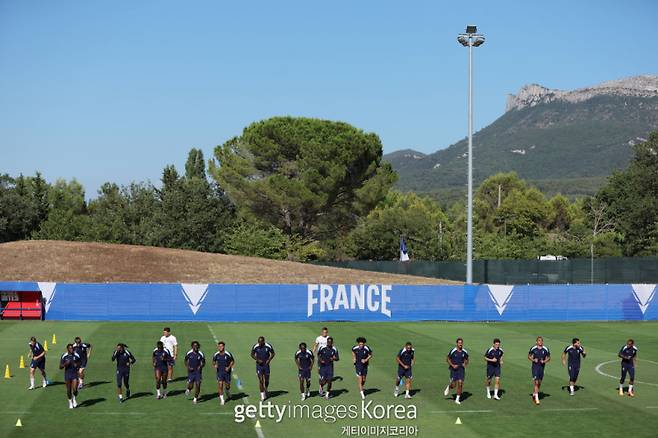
{"x": 596, "y": 410}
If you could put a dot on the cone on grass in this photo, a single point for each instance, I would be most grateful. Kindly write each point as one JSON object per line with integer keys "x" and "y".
{"x": 22, "y": 363}
{"x": 45, "y": 345}
{"x": 54, "y": 342}
{"x": 257, "y": 424}
{"x": 459, "y": 421}
{"x": 18, "y": 423}
{"x": 7, "y": 372}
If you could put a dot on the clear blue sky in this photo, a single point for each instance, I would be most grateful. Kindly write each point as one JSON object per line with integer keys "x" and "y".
{"x": 114, "y": 91}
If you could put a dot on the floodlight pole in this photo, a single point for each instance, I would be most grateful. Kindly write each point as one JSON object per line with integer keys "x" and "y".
{"x": 470, "y": 39}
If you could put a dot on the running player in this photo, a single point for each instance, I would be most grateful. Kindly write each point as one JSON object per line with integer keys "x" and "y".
{"x": 457, "y": 361}
{"x": 539, "y": 355}
{"x": 304, "y": 360}
{"x": 224, "y": 362}
{"x": 38, "y": 354}
{"x": 494, "y": 359}
{"x": 263, "y": 353}
{"x": 124, "y": 359}
{"x": 406, "y": 360}
{"x": 161, "y": 358}
{"x": 171, "y": 343}
{"x": 84, "y": 351}
{"x": 327, "y": 355}
{"x": 70, "y": 363}
{"x": 361, "y": 355}
{"x": 320, "y": 341}
{"x": 194, "y": 362}
{"x": 571, "y": 359}
{"x": 628, "y": 355}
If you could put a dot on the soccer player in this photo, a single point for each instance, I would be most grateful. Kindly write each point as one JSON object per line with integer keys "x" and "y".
{"x": 406, "y": 360}
{"x": 628, "y": 355}
{"x": 171, "y": 343}
{"x": 84, "y": 351}
{"x": 457, "y": 361}
{"x": 38, "y": 355}
{"x": 572, "y": 354}
{"x": 494, "y": 359}
{"x": 320, "y": 341}
{"x": 263, "y": 353}
{"x": 194, "y": 362}
{"x": 327, "y": 355}
{"x": 70, "y": 363}
{"x": 304, "y": 360}
{"x": 539, "y": 355}
{"x": 124, "y": 359}
{"x": 161, "y": 358}
{"x": 224, "y": 362}
{"x": 361, "y": 355}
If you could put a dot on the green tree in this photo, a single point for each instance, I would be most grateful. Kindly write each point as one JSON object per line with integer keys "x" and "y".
{"x": 67, "y": 217}
{"x": 311, "y": 178}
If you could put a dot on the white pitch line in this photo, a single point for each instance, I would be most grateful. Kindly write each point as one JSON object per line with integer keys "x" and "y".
{"x": 245, "y": 400}
{"x": 570, "y": 409}
{"x": 651, "y": 407}
{"x": 481, "y": 411}
{"x": 598, "y": 370}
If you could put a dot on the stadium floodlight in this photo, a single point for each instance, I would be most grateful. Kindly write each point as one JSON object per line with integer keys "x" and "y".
{"x": 470, "y": 39}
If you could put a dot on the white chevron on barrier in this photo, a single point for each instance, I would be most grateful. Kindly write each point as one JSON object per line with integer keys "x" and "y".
{"x": 194, "y": 295}
{"x": 500, "y": 294}
{"x": 48, "y": 291}
{"x": 643, "y": 294}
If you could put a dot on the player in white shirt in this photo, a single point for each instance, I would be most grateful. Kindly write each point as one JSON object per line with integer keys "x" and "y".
{"x": 320, "y": 342}
{"x": 171, "y": 343}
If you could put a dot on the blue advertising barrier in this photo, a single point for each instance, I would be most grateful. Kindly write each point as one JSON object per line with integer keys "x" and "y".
{"x": 342, "y": 302}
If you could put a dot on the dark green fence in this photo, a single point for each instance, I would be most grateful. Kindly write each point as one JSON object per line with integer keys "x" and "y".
{"x": 604, "y": 270}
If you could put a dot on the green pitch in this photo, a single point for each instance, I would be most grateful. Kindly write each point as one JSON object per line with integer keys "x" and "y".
{"x": 595, "y": 410}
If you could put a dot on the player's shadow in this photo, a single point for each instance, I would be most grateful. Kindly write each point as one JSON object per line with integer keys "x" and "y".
{"x": 140, "y": 395}
{"x": 337, "y": 378}
{"x": 414, "y": 392}
{"x": 208, "y": 397}
{"x": 178, "y": 379}
{"x": 370, "y": 391}
{"x": 97, "y": 383}
{"x": 338, "y": 392}
{"x": 464, "y": 397}
{"x": 55, "y": 383}
{"x": 90, "y": 402}
{"x": 542, "y": 395}
{"x": 576, "y": 388}
{"x": 274, "y": 394}
{"x": 175, "y": 392}
{"x": 238, "y": 396}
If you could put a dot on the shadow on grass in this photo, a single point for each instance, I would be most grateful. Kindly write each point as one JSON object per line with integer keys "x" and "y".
{"x": 140, "y": 395}
{"x": 370, "y": 391}
{"x": 274, "y": 394}
{"x": 92, "y": 384}
{"x": 91, "y": 402}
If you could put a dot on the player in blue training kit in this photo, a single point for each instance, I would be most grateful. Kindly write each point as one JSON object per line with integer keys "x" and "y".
{"x": 38, "y": 354}
{"x": 304, "y": 360}
{"x": 327, "y": 355}
{"x": 161, "y": 359}
{"x": 494, "y": 359}
{"x": 405, "y": 359}
{"x": 628, "y": 355}
{"x": 70, "y": 363}
{"x": 263, "y": 353}
{"x": 571, "y": 359}
{"x": 361, "y": 355}
{"x": 457, "y": 360}
{"x": 539, "y": 355}
{"x": 124, "y": 359}
{"x": 223, "y": 361}
{"x": 194, "y": 362}
{"x": 84, "y": 351}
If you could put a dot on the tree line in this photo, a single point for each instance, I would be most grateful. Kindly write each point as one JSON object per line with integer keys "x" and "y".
{"x": 308, "y": 189}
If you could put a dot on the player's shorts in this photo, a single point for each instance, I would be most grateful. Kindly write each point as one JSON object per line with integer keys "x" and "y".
{"x": 194, "y": 377}
{"x": 457, "y": 374}
{"x": 70, "y": 375}
{"x": 162, "y": 368}
{"x": 573, "y": 373}
{"x": 171, "y": 362}
{"x": 224, "y": 376}
{"x": 263, "y": 369}
{"x": 537, "y": 372}
{"x": 41, "y": 364}
{"x": 327, "y": 373}
{"x": 83, "y": 362}
{"x": 304, "y": 373}
{"x": 493, "y": 371}
{"x": 121, "y": 376}
{"x": 407, "y": 374}
{"x": 361, "y": 370}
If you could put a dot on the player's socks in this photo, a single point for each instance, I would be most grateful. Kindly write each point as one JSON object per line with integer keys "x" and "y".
{"x": 44, "y": 382}
{"x": 70, "y": 404}
{"x": 194, "y": 400}
{"x": 447, "y": 391}
{"x": 396, "y": 392}
{"x": 571, "y": 389}
{"x": 631, "y": 393}
{"x": 303, "y": 396}
{"x": 406, "y": 394}
{"x": 187, "y": 392}
{"x": 262, "y": 396}
{"x": 31, "y": 383}
{"x": 457, "y": 400}
{"x": 158, "y": 393}
{"x": 488, "y": 391}
{"x": 621, "y": 389}
{"x": 495, "y": 392}
{"x": 75, "y": 402}
{"x": 363, "y": 395}
{"x": 326, "y": 395}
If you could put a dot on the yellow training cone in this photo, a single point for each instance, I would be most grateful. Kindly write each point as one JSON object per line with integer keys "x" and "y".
{"x": 257, "y": 424}
{"x": 22, "y": 364}
{"x": 458, "y": 421}
{"x": 45, "y": 345}
{"x": 18, "y": 423}
{"x": 7, "y": 373}
{"x": 54, "y": 339}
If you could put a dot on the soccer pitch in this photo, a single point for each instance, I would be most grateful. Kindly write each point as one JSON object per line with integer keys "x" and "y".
{"x": 595, "y": 410}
